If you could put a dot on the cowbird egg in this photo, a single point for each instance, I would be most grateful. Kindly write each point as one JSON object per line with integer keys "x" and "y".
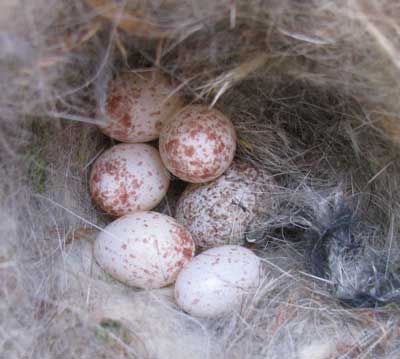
{"x": 144, "y": 249}
{"x": 136, "y": 106}
{"x": 128, "y": 178}
{"x": 219, "y": 212}
{"x": 198, "y": 144}
{"x": 216, "y": 281}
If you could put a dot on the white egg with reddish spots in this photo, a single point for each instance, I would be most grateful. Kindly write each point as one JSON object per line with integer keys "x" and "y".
{"x": 220, "y": 212}
{"x": 137, "y": 105}
{"x": 128, "y": 178}
{"x": 198, "y": 145}
{"x": 217, "y": 281}
{"x": 144, "y": 249}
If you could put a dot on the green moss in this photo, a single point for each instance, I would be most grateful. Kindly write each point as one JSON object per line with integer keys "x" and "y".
{"x": 114, "y": 327}
{"x": 80, "y": 156}
{"x": 101, "y": 334}
{"x": 36, "y": 162}
{"x": 37, "y": 174}
{"x": 110, "y": 324}
{"x": 392, "y": 307}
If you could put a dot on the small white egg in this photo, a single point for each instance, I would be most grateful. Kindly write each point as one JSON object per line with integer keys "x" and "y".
{"x": 144, "y": 249}
{"x": 137, "y": 105}
{"x": 128, "y": 178}
{"x": 198, "y": 145}
{"x": 217, "y": 281}
{"x": 220, "y": 212}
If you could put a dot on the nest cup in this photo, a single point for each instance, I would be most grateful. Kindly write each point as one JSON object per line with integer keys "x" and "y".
{"x": 312, "y": 91}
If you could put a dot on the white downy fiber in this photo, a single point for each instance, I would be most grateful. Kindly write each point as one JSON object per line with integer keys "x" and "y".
{"x": 313, "y": 90}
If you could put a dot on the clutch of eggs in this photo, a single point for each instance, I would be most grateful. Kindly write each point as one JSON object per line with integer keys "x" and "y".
{"x": 144, "y": 249}
{"x": 198, "y": 144}
{"x": 219, "y": 212}
{"x": 137, "y": 104}
{"x": 217, "y": 281}
{"x": 128, "y": 178}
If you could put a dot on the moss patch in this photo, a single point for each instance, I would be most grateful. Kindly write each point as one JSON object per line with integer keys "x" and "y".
{"x": 35, "y": 159}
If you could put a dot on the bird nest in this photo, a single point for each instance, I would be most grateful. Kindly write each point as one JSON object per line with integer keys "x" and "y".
{"x": 311, "y": 88}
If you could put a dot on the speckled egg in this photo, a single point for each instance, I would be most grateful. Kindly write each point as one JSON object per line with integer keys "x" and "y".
{"x": 128, "y": 178}
{"x": 220, "y": 212}
{"x": 144, "y": 249}
{"x": 198, "y": 145}
{"x": 136, "y": 106}
{"x": 217, "y": 281}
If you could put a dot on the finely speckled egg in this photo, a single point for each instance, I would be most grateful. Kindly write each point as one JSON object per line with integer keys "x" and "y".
{"x": 198, "y": 144}
{"x": 144, "y": 249}
{"x": 136, "y": 106}
{"x": 217, "y": 281}
{"x": 219, "y": 212}
{"x": 128, "y": 178}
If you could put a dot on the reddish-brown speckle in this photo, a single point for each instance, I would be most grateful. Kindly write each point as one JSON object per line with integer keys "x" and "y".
{"x": 124, "y": 196}
{"x": 158, "y": 125}
{"x": 198, "y": 145}
{"x": 219, "y": 149}
{"x": 172, "y": 146}
{"x": 151, "y": 259}
{"x": 235, "y": 198}
{"x": 189, "y": 151}
{"x": 188, "y": 253}
{"x": 137, "y": 105}
{"x": 96, "y": 176}
{"x": 119, "y": 185}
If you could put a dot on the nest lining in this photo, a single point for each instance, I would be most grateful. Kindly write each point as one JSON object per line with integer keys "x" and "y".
{"x": 311, "y": 89}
